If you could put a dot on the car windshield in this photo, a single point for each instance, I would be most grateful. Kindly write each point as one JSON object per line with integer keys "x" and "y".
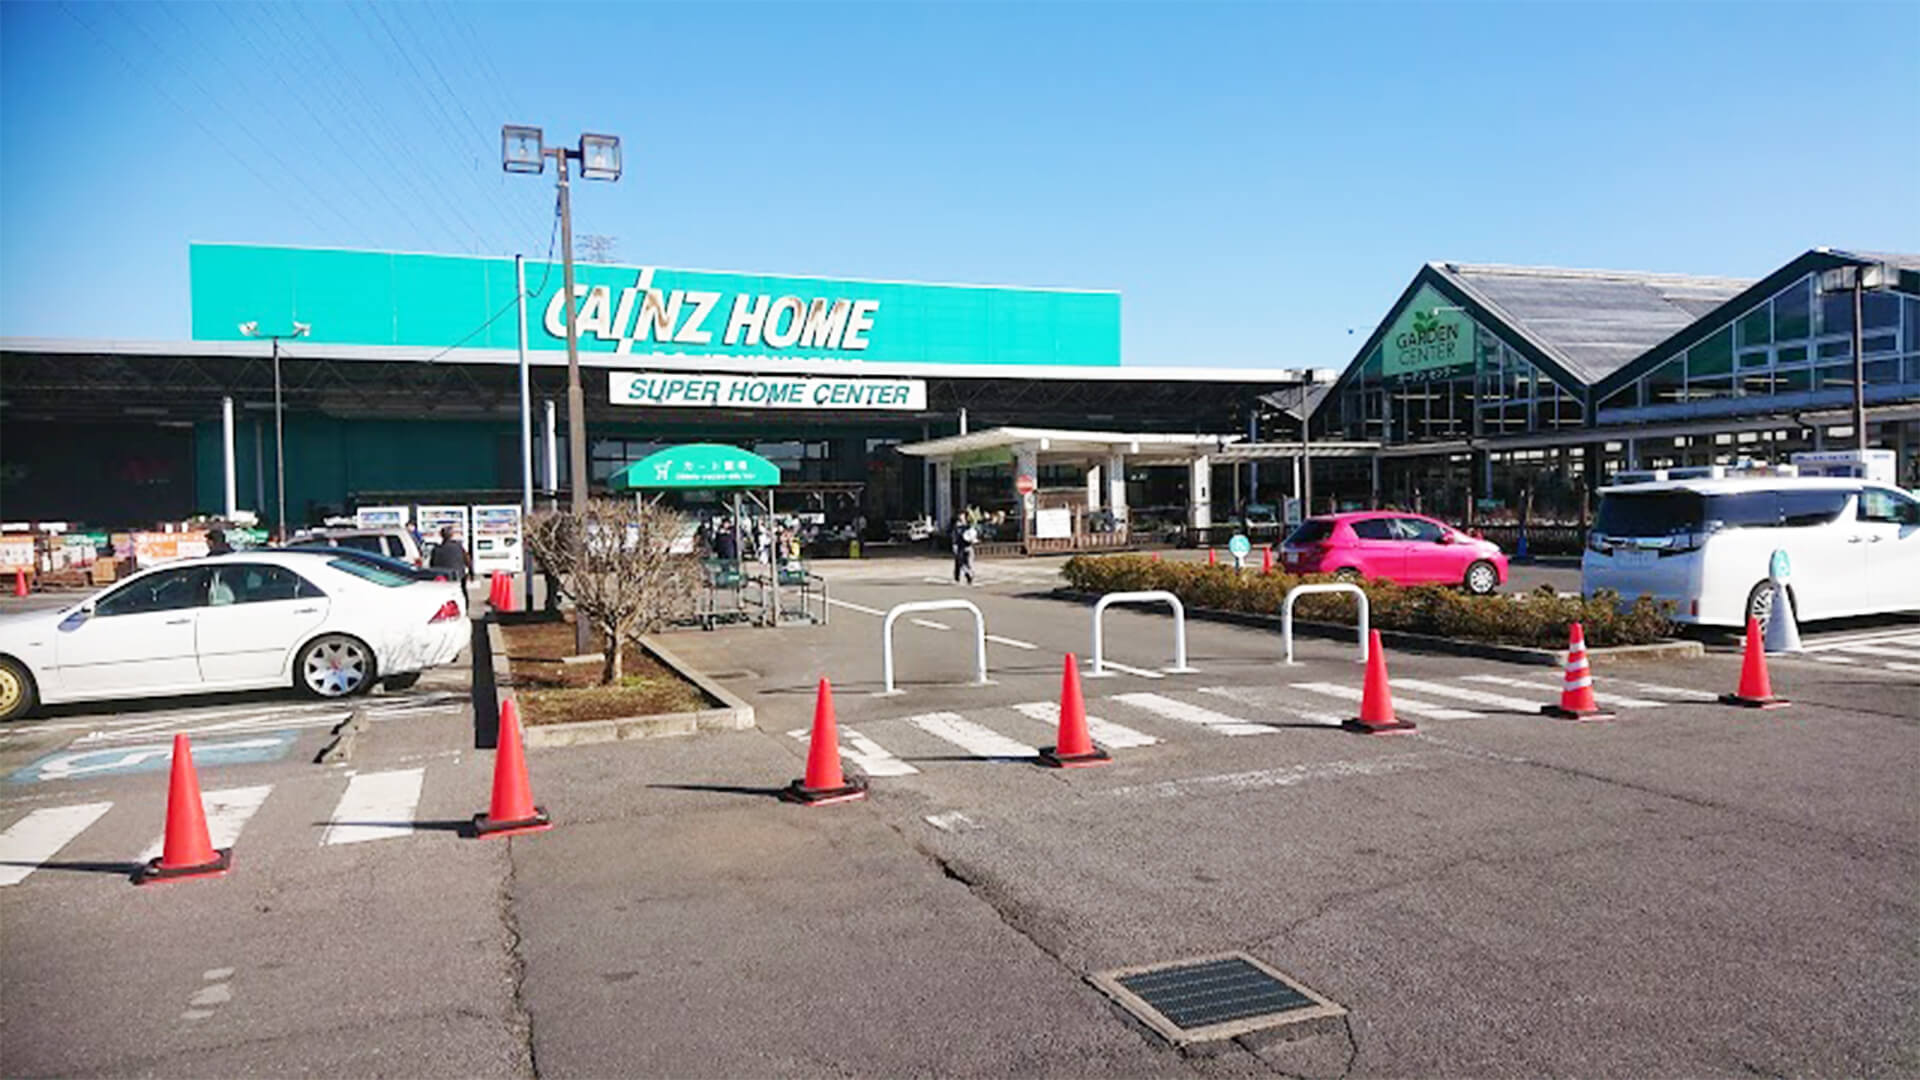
{"x": 1665, "y": 513}
{"x": 1311, "y": 532}
{"x": 379, "y": 575}
{"x": 1651, "y": 513}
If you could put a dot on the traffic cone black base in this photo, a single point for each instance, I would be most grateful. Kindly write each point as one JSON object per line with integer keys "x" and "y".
{"x": 1050, "y": 757}
{"x": 853, "y": 790}
{"x": 153, "y": 872}
{"x": 1755, "y": 703}
{"x": 486, "y": 826}
{"x": 1395, "y": 727}
{"x": 1576, "y": 714}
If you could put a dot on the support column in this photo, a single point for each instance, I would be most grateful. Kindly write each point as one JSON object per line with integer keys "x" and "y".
{"x": 1200, "y": 493}
{"x": 1253, "y": 467}
{"x": 942, "y": 492}
{"x": 1093, "y": 488}
{"x": 1026, "y": 462}
{"x": 1375, "y": 499}
{"x": 926, "y": 477}
{"x": 1115, "y": 474}
{"x": 553, "y": 452}
{"x": 232, "y": 503}
{"x": 259, "y": 469}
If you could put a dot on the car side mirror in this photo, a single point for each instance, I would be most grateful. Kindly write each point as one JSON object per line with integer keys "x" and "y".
{"x": 1447, "y": 538}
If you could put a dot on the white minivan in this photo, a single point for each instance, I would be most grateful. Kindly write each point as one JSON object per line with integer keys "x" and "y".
{"x": 1853, "y": 546}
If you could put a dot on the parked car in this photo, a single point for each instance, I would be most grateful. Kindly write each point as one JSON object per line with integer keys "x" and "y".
{"x": 1706, "y": 545}
{"x": 1406, "y": 549}
{"x": 417, "y": 573}
{"x": 398, "y": 544}
{"x": 321, "y": 621}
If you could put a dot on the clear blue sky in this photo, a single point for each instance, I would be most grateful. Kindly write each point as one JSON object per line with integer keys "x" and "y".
{"x": 1256, "y": 180}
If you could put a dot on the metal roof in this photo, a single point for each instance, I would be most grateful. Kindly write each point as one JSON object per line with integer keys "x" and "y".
{"x": 1592, "y": 321}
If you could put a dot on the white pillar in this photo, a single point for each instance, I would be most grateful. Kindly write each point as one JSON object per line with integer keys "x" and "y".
{"x": 1115, "y": 474}
{"x": 1200, "y": 493}
{"x": 942, "y": 492}
{"x": 553, "y": 452}
{"x": 1026, "y": 462}
{"x": 226, "y": 443}
{"x": 1093, "y": 488}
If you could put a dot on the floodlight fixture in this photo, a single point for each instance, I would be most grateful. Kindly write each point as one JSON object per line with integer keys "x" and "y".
{"x": 521, "y": 149}
{"x": 599, "y": 157}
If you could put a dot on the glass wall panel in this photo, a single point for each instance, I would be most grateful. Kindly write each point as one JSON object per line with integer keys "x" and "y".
{"x": 1666, "y": 383}
{"x": 1835, "y": 314}
{"x": 1792, "y": 308}
{"x": 1879, "y": 310}
{"x": 1713, "y": 356}
{"x": 1756, "y": 327}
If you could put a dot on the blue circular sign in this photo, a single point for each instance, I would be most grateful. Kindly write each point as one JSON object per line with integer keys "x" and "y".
{"x": 1239, "y": 546}
{"x": 1778, "y": 568}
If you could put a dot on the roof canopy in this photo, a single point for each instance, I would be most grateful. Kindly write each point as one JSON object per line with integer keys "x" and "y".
{"x": 697, "y": 466}
{"x": 997, "y": 444}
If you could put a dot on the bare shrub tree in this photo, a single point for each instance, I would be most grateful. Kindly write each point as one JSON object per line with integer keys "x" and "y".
{"x": 618, "y": 567}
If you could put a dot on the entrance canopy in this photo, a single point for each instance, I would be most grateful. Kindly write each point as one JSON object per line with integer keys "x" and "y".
{"x": 697, "y": 466}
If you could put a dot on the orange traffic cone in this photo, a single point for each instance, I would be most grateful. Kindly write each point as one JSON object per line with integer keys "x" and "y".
{"x": 824, "y": 783}
{"x": 1576, "y": 697}
{"x": 508, "y": 593}
{"x": 188, "y": 849}
{"x": 1156, "y": 556}
{"x": 512, "y": 810}
{"x": 19, "y": 582}
{"x": 1210, "y": 557}
{"x": 493, "y": 591}
{"x": 1376, "y": 700}
{"x": 1266, "y": 559}
{"x": 1756, "y": 690}
{"x": 1076, "y": 748}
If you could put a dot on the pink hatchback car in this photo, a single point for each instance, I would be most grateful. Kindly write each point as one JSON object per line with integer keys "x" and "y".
{"x": 1406, "y": 549}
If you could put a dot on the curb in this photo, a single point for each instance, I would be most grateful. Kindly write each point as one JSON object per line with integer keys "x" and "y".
{"x": 734, "y": 713}
{"x": 1485, "y": 650}
{"x": 344, "y": 733}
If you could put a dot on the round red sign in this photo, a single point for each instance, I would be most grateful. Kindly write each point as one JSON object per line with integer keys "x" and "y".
{"x": 1024, "y": 485}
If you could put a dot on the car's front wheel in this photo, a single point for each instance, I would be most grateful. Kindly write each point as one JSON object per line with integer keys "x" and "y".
{"x": 334, "y": 666}
{"x": 1760, "y": 603}
{"x": 17, "y": 693}
{"x": 1347, "y": 575}
{"x": 1482, "y": 578}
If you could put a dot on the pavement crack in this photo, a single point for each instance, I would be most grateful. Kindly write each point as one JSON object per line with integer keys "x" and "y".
{"x": 521, "y": 1015}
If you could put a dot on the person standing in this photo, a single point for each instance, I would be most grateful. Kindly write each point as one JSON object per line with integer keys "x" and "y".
{"x": 963, "y": 535}
{"x": 217, "y": 542}
{"x": 451, "y": 555}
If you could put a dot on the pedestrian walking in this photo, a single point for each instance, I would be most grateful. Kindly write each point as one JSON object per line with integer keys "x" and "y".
{"x": 963, "y": 536}
{"x": 451, "y": 555}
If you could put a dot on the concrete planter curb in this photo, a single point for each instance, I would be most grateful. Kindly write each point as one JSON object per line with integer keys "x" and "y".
{"x": 1485, "y": 650}
{"x": 733, "y": 714}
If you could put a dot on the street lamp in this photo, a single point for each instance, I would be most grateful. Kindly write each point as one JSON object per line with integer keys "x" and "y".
{"x": 1308, "y": 378}
{"x": 252, "y": 329}
{"x": 1856, "y": 278}
{"x": 523, "y": 150}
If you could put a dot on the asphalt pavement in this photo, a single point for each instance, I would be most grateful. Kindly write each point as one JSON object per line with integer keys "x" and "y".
{"x": 1686, "y": 889}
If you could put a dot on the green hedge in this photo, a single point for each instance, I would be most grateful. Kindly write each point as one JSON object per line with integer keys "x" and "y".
{"x": 1538, "y": 619}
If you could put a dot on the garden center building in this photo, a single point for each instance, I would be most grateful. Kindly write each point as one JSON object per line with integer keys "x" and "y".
{"x": 1483, "y": 388}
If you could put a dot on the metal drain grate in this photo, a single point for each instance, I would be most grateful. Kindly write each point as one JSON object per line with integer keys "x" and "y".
{"x": 1212, "y": 997}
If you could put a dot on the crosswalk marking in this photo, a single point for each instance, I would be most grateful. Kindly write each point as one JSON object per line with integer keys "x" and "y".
{"x": 375, "y": 806}
{"x": 1273, "y": 698}
{"x": 979, "y": 741}
{"x": 870, "y": 756}
{"x": 1400, "y": 704}
{"x": 1105, "y": 732}
{"x": 1478, "y": 697}
{"x": 930, "y": 624}
{"x": 1681, "y": 692}
{"x": 228, "y": 811}
{"x": 1889, "y": 651}
{"x": 1907, "y": 638}
{"x": 1193, "y": 714}
{"x": 998, "y": 640}
{"x": 1621, "y": 700}
{"x": 40, "y": 835}
{"x": 851, "y": 606}
{"x": 1117, "y": 666}
{"x": 1835, "y": 658}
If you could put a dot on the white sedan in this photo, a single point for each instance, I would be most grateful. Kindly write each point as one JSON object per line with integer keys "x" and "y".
{"x": 323, "y": 622}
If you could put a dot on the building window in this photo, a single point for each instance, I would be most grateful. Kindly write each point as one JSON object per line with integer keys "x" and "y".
{"x": 1792, "y": 307}
{"x": 1713, "y": 356}
{"x": 1756, "y": 327}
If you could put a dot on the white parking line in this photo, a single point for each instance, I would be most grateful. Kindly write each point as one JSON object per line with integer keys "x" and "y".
{"x": 1478, "y": 697}
{"x": 375, "y": 806}
{"x": 39, "y": 836}
{"x": 1882, "y": 650}
{"x": 1621, "y": 700}
{"x": 998, "y": 640}
{"x": 976, "y": 740}
{"x": 1105, "y": 732}
{"x": 1117, "y": 666}
{"x": 227, "y": 813}
{"x": 1400, "y": 704}
{"x": 870, "y": 756}
{"x": 851, "y": 606}
{"x": 1880, "y": 637}
{"x": 1198, "y": 715}
{"x": 930, "y": 624}
{"x": 267, "y": 722}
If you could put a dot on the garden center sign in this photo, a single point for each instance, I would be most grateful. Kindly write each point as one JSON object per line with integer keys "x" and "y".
{"x": 1431, "y": 340}
{"x": 443, "y": 301}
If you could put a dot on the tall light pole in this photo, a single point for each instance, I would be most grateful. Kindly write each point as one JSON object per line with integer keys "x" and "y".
{"x": 1856, "y": 279}
{"x": 523, "y": 150}
{"x": 300, "y": 329}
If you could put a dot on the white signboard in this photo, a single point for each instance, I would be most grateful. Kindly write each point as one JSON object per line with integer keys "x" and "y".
{"x": 496, "y": 540}
{"x": 380, "y": 517}
{"x": 1055, "y": 523}
{"x": 692, "y": 390}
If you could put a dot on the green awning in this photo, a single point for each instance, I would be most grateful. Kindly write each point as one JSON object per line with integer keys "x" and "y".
{"x": 697, "y": 465}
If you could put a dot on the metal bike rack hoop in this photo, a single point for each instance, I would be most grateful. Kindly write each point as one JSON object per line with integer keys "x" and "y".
{"x": 1146, "y": 596}
{"x": 897, "y": 610}
{"x": 1286, "y": 612}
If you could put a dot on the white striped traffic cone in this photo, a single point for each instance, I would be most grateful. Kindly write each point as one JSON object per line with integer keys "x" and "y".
{"x": 1576, "y": 697}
